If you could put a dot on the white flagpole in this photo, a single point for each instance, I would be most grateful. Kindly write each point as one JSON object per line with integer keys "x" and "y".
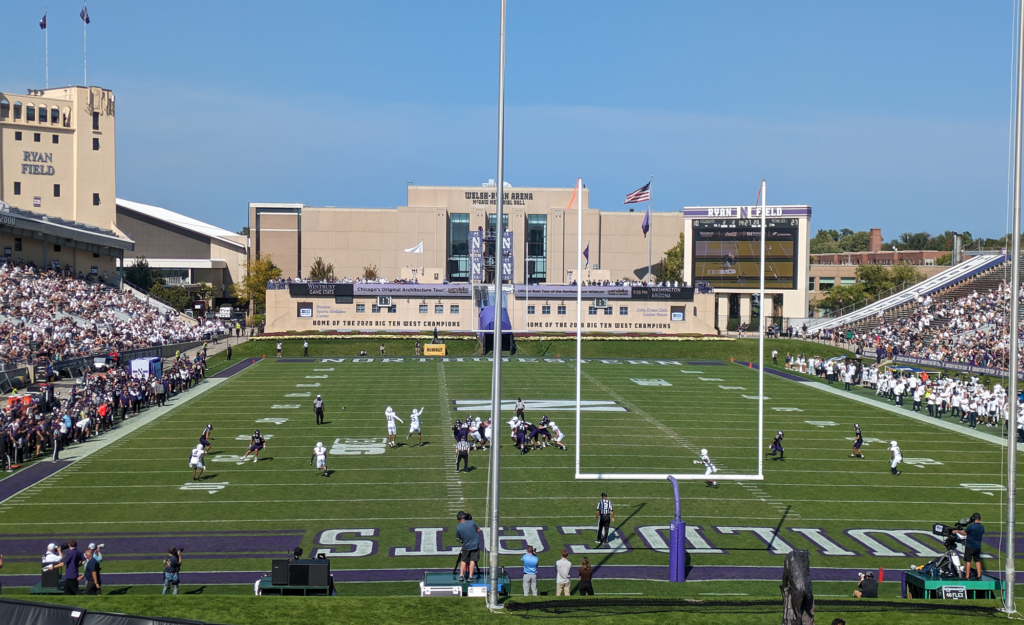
{"x": 85, "y": 52}
{"x": 47, "y": 33}
{"x": 650, "y": 226}
{"x": 579, "y": 316}
{"x": 760, "y": 347}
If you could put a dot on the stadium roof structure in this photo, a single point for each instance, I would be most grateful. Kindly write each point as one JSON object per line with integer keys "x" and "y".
{"x": 39, "y": 226}
{"x": 182, "y": 221}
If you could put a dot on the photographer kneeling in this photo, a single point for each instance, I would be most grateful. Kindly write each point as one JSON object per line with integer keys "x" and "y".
{"x": 867, "y": 588}
{"x": 972, "y": 534}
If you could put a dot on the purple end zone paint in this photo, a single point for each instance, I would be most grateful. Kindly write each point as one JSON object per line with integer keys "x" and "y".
{"x": 233, "y": 369}
{"x": 782, "y": 374}
{"x": 24, "y": 478}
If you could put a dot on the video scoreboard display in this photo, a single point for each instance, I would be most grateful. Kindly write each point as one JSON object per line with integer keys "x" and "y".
{"x": 727, "y": 253}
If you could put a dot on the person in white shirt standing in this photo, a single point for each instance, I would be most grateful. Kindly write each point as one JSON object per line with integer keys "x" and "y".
{"x": 320, "y": 456}
{"x": 414, "y": 425}
{"x": 390, "y": 415}
{"x": 196, "y": 461}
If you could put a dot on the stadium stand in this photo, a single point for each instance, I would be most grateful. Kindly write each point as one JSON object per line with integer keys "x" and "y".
{"x": 53, "y": 314}
{"x": 963, "y": 320}
{"x": 966, "y": 270}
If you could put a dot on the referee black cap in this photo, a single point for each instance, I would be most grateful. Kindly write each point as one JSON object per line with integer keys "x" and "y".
{"x": 604, "y": 494}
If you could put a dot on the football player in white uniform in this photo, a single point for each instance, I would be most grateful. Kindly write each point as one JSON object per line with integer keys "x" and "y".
{"x": 896, "y": 458}
{"x": 476, "y": 433}
{"x": 392, "y": 428}
{"x": 414, "y": 424}
{"x": 196, "y": 461}
{"x": 514, "y": 424}
{"x": 320, "y": 455}
{"x": 557, "y": 435}
{"x": 709, "y": 467}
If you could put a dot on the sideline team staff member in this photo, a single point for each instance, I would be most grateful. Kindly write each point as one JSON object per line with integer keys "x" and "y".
{"x": 972, "y": 546}
{"x": 605, "y": 516}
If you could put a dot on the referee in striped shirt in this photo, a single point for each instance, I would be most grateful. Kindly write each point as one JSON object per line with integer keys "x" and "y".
{"x": 605, "y": 517}
{"x": 462, "y": 447}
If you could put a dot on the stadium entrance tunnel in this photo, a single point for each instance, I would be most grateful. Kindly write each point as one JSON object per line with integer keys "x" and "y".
{"x": 598, "y": 607}
{"x": 486, "y": 335}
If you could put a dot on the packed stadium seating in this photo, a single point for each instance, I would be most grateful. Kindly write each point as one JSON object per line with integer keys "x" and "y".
{"x": 50, "y": 315}
{"x": 964, "y": 321}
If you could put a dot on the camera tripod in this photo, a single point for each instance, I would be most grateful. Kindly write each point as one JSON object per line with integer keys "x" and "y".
{"x": 948, "y": 564}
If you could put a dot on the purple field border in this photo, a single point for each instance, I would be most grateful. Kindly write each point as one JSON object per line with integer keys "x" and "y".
{"x": 236, "y": 368}
{"x": 781, "y": 374}
{"x": 24, "y": 478}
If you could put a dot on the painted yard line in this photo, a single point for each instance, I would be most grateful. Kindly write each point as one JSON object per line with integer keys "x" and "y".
{"x": 988, "y": 438}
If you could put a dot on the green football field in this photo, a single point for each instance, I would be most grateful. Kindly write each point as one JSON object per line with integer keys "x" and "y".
{"x": 385, "y": 514}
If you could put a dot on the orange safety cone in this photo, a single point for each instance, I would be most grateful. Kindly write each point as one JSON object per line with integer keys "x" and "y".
{"x": 881, "y": 575}
{"x": 732, "y": 360}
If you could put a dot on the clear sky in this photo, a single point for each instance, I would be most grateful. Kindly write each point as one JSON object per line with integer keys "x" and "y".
{"x": 877, "y": 114}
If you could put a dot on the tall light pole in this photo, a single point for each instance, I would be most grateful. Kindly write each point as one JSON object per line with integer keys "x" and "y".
{"x": 1011, "y": 432}
{"x": 492, "y": 595}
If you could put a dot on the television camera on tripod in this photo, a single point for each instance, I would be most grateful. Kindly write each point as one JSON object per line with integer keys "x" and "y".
{"x": 948, "y": 564}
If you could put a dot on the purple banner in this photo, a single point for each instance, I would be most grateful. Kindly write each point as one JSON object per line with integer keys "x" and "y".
{"x": 953, "y": 366}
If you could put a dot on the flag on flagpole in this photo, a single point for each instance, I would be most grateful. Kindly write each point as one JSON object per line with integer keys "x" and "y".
{"x": 643, "y": 194}
{"x": 416, "y": 249}
{"x": 586, "y": 255}
{"x": 42, "y": 22}
{"x": 84, "y": 14}
{"x": 574, "y": 190}
{"x": 646, "y": 225}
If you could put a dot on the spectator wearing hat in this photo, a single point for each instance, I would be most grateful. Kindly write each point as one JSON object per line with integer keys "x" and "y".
{"x": 867, "y": 588}
{"x": 52, "y": 558}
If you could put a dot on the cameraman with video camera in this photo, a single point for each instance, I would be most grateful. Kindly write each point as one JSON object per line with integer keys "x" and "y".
{"x": 972, "y": 535}
{"x": 468, "y": 533}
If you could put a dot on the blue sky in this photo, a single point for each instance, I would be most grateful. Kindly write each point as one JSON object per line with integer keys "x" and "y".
{"x": 878, "y": 114}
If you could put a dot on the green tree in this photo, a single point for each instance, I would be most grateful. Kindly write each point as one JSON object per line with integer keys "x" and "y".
{"x": 140, "y": 274}
{"x": 904, "y": 275}
{"x": 945, "y": 259}
{"x": 244, "y": 230}
{"x": 856, "y": 241}
{"x": 159, "y": 291}
{"x": 670, "y": 267}
{"x": 252, "y": 289}
{"x": 370, "y": 272}
{"x": 179, "y": 298}
{"x": 206, "y": 291}
{"x": 841, "y": 296}
{"x": 914, "y": 241}
{"x": 874, "y": 278}
{"x": 320, "y": 271}
{"x": 826, "y": 242}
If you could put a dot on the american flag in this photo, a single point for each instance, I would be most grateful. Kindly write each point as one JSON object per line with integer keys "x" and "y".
{"x": 643, "y": 194}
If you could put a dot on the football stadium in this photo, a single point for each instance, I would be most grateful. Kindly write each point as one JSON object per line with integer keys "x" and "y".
{"x": 492, "y": 405}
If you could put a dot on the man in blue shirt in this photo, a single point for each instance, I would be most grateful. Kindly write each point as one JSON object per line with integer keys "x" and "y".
{"x": 468, "y": 534}
{"x": 972, "y": 545}
{"x": 530, "y": 561}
